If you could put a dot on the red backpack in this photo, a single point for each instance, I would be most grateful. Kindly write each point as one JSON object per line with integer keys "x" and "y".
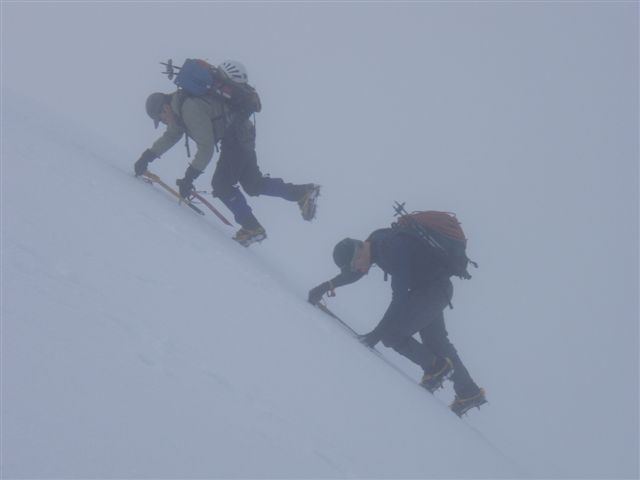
{"x": 441, "y": 233}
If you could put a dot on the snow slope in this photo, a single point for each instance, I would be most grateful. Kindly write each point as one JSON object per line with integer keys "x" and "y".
{"x": 140, "y": 341}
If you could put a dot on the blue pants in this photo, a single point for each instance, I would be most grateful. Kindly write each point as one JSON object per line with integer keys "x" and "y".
{"x": 238, "y": 163}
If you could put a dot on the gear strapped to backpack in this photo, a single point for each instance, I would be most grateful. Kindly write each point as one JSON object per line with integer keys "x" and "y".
{"x": 195, "y": 77}
{"x": 439, "y": 231}
{"x": 199, "y": 78}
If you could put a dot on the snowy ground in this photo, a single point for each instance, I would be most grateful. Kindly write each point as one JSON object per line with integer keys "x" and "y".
{"x": 140, "y": 341}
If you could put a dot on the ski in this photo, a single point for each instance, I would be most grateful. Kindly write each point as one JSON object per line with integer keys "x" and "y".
{"x": 155, "y": 179}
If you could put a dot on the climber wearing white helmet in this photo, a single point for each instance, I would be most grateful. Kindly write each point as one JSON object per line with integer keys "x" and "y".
{"x": 236, "y": 71}
{"x": 221, "y": 112}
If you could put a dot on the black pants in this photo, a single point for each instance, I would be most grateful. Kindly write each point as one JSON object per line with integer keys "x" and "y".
{"x": 238, "y": 163}
{"x": 425, "y": 315}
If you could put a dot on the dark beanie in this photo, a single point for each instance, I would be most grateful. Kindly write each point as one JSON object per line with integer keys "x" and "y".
{"x": 154, "y": 105}
{"x": 344, "y": 251}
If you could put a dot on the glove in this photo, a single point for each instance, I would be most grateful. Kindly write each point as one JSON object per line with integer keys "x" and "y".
{"x": 185, "y": 185}
{"x": 143, "y": 162}
{"x": 370, "y": 339}
{"x": 316, "y": 293}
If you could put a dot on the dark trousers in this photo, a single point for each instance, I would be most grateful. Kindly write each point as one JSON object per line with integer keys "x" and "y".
{"x": 425, "y": 315}
{"x": 238, "y": 163}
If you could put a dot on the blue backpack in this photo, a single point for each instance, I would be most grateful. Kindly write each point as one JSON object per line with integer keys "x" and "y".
{"x": 199, "y": 78}
{"x": 195, "y": 77}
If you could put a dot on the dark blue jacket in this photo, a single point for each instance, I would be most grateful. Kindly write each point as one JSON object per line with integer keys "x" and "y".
{"x": 409, "y": 262}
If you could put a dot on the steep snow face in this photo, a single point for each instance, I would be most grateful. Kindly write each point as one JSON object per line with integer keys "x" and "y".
{"x": 139, "y": 341}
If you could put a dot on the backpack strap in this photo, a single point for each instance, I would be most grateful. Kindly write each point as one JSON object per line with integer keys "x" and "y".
{"x": 182, "y": 96}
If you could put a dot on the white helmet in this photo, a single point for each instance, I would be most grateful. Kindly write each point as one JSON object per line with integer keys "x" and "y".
{"x": 235, "y": 71}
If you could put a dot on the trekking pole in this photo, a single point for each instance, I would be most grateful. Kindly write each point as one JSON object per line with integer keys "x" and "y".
{"x": 419, "y": 229}
{"x": 399, "y": 209}
{"x": 169, "y": 68}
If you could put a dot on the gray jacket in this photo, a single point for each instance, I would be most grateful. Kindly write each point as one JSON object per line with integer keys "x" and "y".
{"x": 203, "y": 119}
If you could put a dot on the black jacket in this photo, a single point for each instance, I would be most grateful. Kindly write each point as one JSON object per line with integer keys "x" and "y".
{"x": 410, "y": 263}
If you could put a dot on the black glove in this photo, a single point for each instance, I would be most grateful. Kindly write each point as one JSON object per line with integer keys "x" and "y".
{"x": 316, "y": 293}
{"x": 370, "y": 339}
{"x": 185, "y": 185}
{"x": 143, "y": 162}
